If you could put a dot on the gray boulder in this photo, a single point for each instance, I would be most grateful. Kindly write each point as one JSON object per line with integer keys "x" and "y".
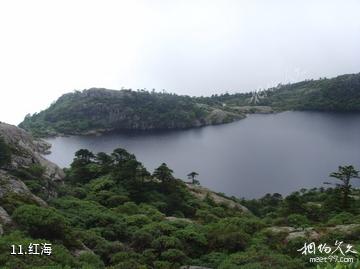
{"x": 29, "y": 151}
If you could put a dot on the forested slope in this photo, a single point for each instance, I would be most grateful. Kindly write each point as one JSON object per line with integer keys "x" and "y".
{"x": 339, "y": 94}
{"x": 110, "y": 212}
{"x": 99, "y": 110}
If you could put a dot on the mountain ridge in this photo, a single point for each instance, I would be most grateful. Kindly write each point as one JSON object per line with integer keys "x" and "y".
{"x": 99, "y": 110}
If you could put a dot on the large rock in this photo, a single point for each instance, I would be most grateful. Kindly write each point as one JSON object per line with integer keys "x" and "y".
{"x": 4, "y": 217}
{"x": 170, "y": 218}
{"x": 294, "y": 233}
{"x": 282, "y": 229}
{"x": 10, "y": 184}
{"x": 309, "y": 233}
{"x": 312, "y": 233}
{"x": 28, "y": 151}
{"x": 202, "y": 192}
{"x": 346, "y": 229}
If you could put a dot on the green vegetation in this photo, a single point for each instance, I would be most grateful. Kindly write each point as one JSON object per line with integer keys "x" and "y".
{"x": 193, "y": 176}
{"x": 341, "y": 93}
{"x": 98, "y": 110}
{"x": 345, "y": 174}
{"x": 337, "y": 94}
{"x": 113, "y": 213}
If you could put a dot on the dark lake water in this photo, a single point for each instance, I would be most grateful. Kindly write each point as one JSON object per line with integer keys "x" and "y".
{"x": 261, "y": 154}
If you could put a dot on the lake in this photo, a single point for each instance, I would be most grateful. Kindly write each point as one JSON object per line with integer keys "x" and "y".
{"x": 261, "y": 154}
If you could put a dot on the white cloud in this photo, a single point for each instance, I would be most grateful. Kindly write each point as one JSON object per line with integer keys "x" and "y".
{"x": 192, "y": 47}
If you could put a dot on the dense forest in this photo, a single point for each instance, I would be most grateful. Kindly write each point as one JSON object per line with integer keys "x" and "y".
{"x": 100, "y": 110}
{"x": 340, "y": 94}
{"x": 111, "y": 212}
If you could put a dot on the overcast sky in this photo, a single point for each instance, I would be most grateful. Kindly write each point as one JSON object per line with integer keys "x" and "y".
{"x": 193, "y": 47}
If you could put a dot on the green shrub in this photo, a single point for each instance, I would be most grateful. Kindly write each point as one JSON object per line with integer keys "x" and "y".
{"x": 174, "y": 256}
{"x": 341, "y": 218}
{"x": 102, "y": 247}
{"x": 42, "y": 222}
{"x": 60, "y": 257}
{"x": 90, "y": 260}
{"x": 163, "y": 243}
{"x": 297, "y": 220}
{"x": 11, "y": 200}
{"x": 36, "y": 170}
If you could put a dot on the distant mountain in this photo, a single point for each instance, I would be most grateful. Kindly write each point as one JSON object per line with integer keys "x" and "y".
{"x": 98, "y": 110}
{"x": 341, "y": 93}
{"x": 337, "y": 94}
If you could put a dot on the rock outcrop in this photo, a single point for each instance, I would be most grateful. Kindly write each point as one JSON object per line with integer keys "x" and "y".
{"x": 202, "y": 192}
{"x": 25, "y": 153}
{"x": 178, "y": 219}
{"x": 312, "y": 233}
{"x": 28, "y": 151}
{"x": 4, "y": 217}
{"x": 11, "y": 185}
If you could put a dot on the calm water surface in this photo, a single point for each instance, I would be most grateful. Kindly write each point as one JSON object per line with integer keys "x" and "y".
{"x": 261, "y": 154}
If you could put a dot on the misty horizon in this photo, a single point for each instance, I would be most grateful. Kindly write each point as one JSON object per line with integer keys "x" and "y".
{"x": 220, "y": 92}
{"x": 195, "y": 48}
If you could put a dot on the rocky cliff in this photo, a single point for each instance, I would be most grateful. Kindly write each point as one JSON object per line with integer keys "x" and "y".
{"x": 27, "y": 151}
{"x": 25, "y": 154}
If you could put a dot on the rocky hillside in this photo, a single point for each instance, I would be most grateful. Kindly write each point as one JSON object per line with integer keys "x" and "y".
{"x": 110, "y": 212}
{"x": 24, "y": 171}
{"x": 101, "y": 210}
{"x": 98, "y": 110}
{"x": 27, "y": 151}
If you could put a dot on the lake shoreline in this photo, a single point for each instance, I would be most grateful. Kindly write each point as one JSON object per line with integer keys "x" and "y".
{"x": 103, "y": 131}
{"x": 278, "y": 152}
